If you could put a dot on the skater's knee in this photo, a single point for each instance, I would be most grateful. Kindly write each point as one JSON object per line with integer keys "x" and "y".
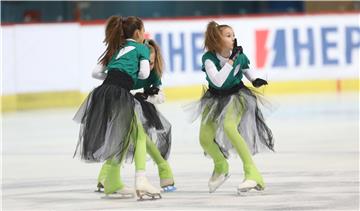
{"x": 206, "y": 134}
{"x": 230, "y": 128}
{"x": 205, "y": 140}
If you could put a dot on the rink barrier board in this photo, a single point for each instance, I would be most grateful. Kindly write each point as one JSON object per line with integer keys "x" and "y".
{"x": 74, "y": 98}
{"x": 322, "y": 47}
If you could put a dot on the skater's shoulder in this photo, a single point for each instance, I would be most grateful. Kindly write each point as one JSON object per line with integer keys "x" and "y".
{"x": 209, "y": 55}
{"x": 140, "y": 47}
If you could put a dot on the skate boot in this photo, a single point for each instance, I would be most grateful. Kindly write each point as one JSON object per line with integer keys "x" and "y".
{"x": 144, "y": 188}
{"x": 248, "y": 185}
{"x": 123, "y": 193}
{"x": 113, "y": 185}
{"x": 253, "y": 180}
{"x": 167, "y": 185}
{"x": 166, "y": 178}
{"x": 216, "y": 180}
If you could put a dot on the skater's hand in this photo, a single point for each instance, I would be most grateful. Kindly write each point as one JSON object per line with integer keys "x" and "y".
{"x": 152, "y": 90}
{"x": 259, "y": 82}
{"x": 236, "y": 51}
{"x": 141, "y": 96}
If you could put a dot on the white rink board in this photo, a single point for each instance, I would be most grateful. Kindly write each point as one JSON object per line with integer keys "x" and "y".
{"x": 60, "y": 57}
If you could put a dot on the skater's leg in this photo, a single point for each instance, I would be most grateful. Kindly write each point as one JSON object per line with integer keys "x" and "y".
{"x": 142, "y": 185}
{"x": 102, "y": 175}
{"x": 111, "y": 174}
{"x": 140, "y": 147}
{"x": 207, "y": 136}
{"x": 103, "y": 171}
{"x": 231, "y": 122}
{"x": 207, "y": 141}
{"x": 112, "y": 181}
{"x": 153, "y": 151}
{"x": 165, "y": 173}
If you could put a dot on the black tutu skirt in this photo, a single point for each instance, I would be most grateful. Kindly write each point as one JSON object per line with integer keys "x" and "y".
{"x": 252, "y": 126}
{"x": 156, "y": 127}
{"x": 106, "y": 119}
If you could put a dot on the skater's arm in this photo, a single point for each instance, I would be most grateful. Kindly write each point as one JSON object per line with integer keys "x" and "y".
{"x": 144, "y": 70}
{"x": 255, "y": 77}
{"x": 250, "y": 74}
{"x": 99, "y": 72}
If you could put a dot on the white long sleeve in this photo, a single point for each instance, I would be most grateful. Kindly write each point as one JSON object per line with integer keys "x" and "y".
{"x": 99, "y": 72}
{"x": 144, "y": 70}
{"x": 217, "y": 77}
{"x": 252, "y": 74}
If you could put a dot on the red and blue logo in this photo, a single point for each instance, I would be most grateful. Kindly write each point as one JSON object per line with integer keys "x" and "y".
{"x": 325, "y": 46}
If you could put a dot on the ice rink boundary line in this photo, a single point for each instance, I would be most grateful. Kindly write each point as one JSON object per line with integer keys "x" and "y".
{"x": 74, "y": 98}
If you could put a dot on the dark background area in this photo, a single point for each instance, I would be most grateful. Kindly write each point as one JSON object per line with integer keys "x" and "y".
{"x": 68, "y": 11}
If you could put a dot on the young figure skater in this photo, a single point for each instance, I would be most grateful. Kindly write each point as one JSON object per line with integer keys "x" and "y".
{"x": 154, "y": 123}
{"x": 230, "y": 115}
{"x": 108, "y": 121}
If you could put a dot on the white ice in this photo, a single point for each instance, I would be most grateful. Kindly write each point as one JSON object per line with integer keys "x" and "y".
{"x": 316, "y": 164}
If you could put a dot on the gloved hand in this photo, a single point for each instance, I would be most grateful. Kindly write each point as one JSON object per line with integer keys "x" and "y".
{"x": 152, "y": 90}
{"x": 141, "y": 96}
{"x": 259, "y": 82}
{"x": 237, "y": 50}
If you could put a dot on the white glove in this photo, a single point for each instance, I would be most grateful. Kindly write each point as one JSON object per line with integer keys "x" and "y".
{"x": 156, "y": 99}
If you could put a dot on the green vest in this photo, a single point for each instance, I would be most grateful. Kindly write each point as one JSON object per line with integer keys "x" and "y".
{"x": 232, "y": 79}
{"x": 153, "y": 79}
{"x": 128, "y": 58}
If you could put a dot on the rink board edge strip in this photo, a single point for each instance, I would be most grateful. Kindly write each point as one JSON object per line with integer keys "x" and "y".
{"x": 74, "y": 98}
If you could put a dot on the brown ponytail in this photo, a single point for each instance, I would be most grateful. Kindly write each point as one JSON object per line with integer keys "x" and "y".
{"x": 117, "y": 30}
{"x": 159, "y": 62}
{"x": 213, "y": 37}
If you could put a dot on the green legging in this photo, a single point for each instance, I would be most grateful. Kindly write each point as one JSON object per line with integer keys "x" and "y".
{"x": 207, "y": 136}
{"x": 109, "y": 174}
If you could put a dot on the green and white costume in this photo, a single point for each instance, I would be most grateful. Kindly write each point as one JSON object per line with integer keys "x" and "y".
{"x": 231, "y": 120}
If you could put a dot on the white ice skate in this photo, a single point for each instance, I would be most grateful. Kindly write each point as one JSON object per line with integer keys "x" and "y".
{"x": 248, "y": 185}
{"x": 144, "y": 188}
{"x": 124, "y": 193}
{"x": 167, "y": 185}
{"x": 216, "y": 180}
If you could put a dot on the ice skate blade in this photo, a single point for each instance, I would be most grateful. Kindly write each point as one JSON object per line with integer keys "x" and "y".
{"x": 151, "y": 196}
{"x": 244, "y": 191}
{"x": 116, "y": 195}
{"x": 213, "y": 190}
{"x": 169, "y": 189}
{"x": 99, "y": 191}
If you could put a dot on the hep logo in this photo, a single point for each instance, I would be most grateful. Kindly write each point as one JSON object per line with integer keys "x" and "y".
{"x": 324, "y": 46}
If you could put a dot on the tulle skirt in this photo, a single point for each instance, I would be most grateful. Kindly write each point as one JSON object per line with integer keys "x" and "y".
{"x": 156, "y": 126}
{"x": 106, "y": 119}
{"x": 252, "y": 126}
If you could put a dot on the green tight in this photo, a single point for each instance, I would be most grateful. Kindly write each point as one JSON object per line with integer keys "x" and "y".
{"x": 163, "y": 166}
{"x": 207, "y": 136}
{"x": 109, "y": 174}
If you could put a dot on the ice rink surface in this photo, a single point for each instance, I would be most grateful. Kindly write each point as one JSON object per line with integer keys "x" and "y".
{"x": 316, "y": 166}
